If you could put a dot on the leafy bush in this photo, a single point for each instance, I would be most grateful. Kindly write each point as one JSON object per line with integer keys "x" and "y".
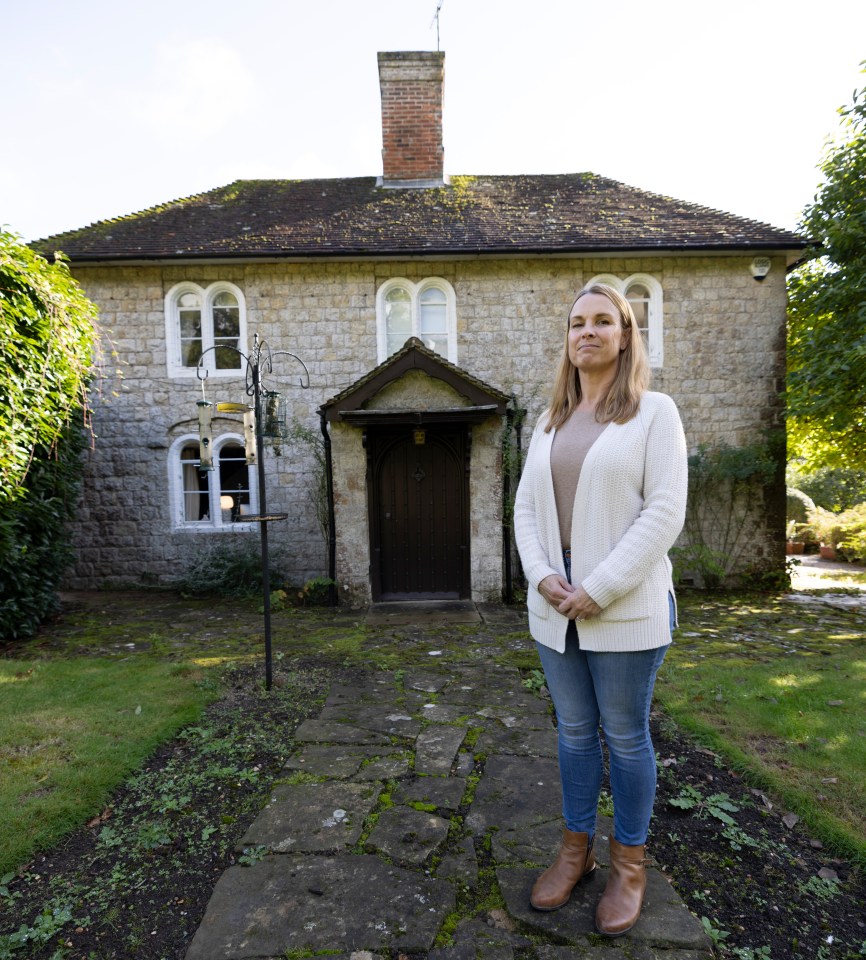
{"x": 230, "y": 566}
{"x": 34, "y": 551}
{"x": 316, "y": 592}
{"x": 46, "y": 342}
{"x": 833, "y": 488}
{"x": 852, "y": 529}
{"x": 799, "y": 506}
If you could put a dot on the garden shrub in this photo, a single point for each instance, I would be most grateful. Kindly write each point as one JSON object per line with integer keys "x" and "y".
{"x": 230, "y": 566}
{"x": 852, "y": 533}
{"x": 799, "y": 506}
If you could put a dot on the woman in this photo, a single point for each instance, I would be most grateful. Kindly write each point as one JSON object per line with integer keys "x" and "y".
{"x": 601, "y": 501}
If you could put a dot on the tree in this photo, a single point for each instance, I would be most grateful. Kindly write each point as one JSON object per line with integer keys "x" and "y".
{"x": 826, "y": 388}
{"x": 46, "y": 344}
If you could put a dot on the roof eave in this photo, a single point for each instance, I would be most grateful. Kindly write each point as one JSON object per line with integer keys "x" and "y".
{"x": 791, "y": 249}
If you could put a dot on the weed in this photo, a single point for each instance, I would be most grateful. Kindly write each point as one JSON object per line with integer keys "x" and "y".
{"x": 716, "y": 934}
{"x": 535, "y": 682}
{"x": 719, "y": 805}
{"x": 819, "y": 888}
{"x": 252, "y": 855}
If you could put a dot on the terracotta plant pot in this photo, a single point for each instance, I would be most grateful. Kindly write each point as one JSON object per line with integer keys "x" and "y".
{"x": 827, "y": 552}
{"x": 795, "y": 546}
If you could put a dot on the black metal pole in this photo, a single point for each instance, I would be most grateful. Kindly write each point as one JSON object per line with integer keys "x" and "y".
{"x": 263, "y": 510}
{"x": 332, "y": 530}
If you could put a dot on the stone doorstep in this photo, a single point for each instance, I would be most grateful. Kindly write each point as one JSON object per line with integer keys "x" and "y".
{"x": 422, "y": 613}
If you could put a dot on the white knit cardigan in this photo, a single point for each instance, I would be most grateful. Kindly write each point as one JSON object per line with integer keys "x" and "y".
{"x": 628, "y": 511}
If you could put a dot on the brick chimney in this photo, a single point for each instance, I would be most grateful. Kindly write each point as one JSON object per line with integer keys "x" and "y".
{"x": 411, "y": 85}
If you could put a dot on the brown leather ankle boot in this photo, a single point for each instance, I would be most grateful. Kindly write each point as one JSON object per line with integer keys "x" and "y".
{"x": 619, "y": 908}
{"x": 574, "y": 864}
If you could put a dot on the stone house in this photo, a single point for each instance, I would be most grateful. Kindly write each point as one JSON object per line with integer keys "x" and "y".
{"x": 429, "y": 312}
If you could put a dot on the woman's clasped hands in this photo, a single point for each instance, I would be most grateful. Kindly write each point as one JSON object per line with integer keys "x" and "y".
{"x": 572, "y": 602}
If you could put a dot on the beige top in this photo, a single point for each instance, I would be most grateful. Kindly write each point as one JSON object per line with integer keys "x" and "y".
{"x": 571, "y": 444}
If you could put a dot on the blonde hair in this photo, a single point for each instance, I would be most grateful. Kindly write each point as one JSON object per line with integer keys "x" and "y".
{"x": 632, "y": 378}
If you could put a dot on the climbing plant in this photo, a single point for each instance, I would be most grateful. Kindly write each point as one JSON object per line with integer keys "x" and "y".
{"x": 727, "y": 485}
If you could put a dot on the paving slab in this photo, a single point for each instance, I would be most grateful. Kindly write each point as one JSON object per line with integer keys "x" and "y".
{"x": 518, "y": 741}
{"x": 371, "y": 716}
{"x": 285, "y": 903}
{"x": 461, "y": 865}
{"x": 444, "y": 793}
{"x": 426, "y": 682}
{"x": 664, "y": 919}
{"x": 516, "y": 794}
{"x": 329, "y": 731}
{"x": 436, "y": 748}
{"x": 326, "y": 760}
{"x": 408, "y": 835}
{"x": 312, "y": 817}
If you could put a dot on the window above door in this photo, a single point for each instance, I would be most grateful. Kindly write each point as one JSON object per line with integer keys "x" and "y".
{"x": 644, "y": 293}
{"x": 426, "y": 310}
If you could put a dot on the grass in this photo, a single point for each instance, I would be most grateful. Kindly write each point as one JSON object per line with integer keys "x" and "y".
{"x": 72, "y": 730}
{"x": 780, "y": 691}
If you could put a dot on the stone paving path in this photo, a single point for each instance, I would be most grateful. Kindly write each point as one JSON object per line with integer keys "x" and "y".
{"x": 413, "y": 797}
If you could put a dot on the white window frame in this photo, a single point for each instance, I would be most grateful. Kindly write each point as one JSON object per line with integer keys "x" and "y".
{"x": 215, "y": 523}
{"x": 655, "y": 311}
{"x": 415, "y": 290}
{"x": 172, "y": 327}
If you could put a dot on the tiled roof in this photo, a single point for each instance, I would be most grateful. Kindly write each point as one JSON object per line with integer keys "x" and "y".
{"x": 564, "y": 213}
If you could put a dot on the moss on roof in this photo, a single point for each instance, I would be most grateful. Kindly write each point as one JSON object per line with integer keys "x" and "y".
{"x": 472, "y": 214}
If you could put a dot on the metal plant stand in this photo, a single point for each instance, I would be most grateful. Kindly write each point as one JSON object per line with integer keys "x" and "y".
{"x": 268, "y": 412}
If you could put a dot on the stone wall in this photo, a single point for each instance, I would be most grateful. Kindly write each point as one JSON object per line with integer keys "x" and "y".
{"x": 724, "y": 360}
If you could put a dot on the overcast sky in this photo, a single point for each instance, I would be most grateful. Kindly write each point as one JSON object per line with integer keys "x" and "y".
{"x": 113, "y": 107}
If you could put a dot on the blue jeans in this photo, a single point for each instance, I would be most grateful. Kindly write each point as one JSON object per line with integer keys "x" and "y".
{"x": 613, "y": 690}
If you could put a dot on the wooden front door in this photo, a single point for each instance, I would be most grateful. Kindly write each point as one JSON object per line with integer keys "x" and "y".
{"x": 419, "y": 529}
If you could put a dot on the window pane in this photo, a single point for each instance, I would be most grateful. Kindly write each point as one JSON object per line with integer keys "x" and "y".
{"x": 226, "y": 322}
{"x": 433, "y": 318}
{"x": 639, "y": 298}
{"x": 234, "y": 475}
{"x": 439, "y": 344}
{"x": 227, "y": 359}
{"x": 195, "y": 487}
{"x": 398, "y": 317}
{"x": 190, "y": 335}
{"x": 188, "y": 300}
{"x": 394, "y": 342}
{"x": 226, "y": 331}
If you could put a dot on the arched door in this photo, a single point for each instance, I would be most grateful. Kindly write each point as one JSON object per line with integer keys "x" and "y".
{"x": 419, "y": 531}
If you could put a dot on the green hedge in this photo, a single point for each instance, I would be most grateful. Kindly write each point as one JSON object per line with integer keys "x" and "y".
{"x": 34, "y": 547}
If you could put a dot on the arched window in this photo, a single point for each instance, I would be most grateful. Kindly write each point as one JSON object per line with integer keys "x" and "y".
{"x": 215, "y": 499}
{"x": 644, "y": 293}
{"x": 209, "y": 322}
{"x": 426, "y": 310}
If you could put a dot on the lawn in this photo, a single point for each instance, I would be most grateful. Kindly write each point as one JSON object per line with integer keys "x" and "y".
{"x": 71, "y": 730}
{"x": 779, "y": 688}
